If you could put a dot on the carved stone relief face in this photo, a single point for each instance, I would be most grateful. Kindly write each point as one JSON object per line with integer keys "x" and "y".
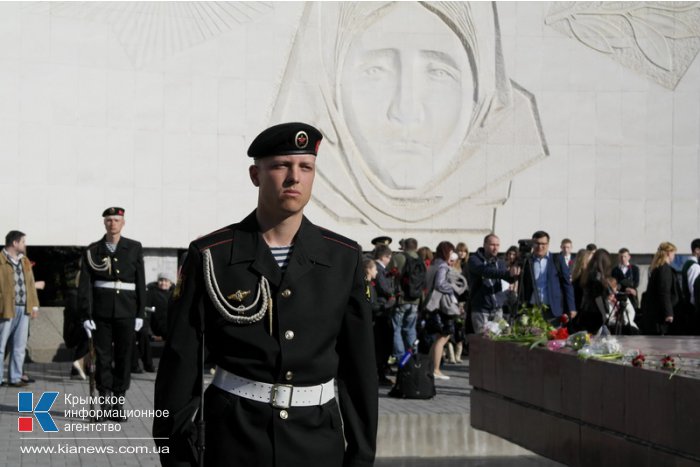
{"x": 407, "y": 95}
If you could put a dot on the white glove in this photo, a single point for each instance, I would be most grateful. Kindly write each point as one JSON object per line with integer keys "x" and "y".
{"x": 89, "y": 326}
{"x": 138, "y": 325}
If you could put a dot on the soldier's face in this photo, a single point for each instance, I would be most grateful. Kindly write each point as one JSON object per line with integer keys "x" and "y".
{"x": 114, "y": 224}
{"x": 285, "y": 182}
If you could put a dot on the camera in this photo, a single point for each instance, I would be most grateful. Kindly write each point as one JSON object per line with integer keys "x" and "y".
{"x": 524, "y": 251}
{"x": 621, "y": 297}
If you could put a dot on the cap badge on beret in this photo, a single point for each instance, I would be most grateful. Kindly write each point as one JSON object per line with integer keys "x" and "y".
{"x": 301, "y": 140}
{"x": 113, "y": 211}
{"x": 286, "y": 139}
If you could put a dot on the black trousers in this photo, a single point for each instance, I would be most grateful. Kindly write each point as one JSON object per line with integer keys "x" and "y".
{"x": 114, "y": 342}
{"x": 383, "y": 343}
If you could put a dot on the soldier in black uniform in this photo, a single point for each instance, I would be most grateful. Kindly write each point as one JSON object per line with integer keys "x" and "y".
{"x": 112, "y": 300}
{"x": 285, "y": 317}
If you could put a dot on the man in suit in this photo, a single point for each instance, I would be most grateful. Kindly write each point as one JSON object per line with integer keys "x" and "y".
{"x": 282, "y": 308}
{"x": 112, "y": 300}
{"x": 627, "y": 275}
{"x": 545, "y": 281}
{"x": 567, "y": 255}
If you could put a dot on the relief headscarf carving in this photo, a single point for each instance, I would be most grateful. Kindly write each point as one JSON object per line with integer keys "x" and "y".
{"x": 420, "y": 181}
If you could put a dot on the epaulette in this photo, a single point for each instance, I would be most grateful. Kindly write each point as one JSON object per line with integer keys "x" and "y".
{"x": 218, "y": 237}
{"x": 337, "y": 238}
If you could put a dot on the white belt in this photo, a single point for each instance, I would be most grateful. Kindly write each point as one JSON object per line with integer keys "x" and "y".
{"x": 115, "y": 285}
{"x": 280, "y": 396}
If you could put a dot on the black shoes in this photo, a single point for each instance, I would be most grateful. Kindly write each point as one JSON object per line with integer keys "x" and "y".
{"x": 18, "y": 384}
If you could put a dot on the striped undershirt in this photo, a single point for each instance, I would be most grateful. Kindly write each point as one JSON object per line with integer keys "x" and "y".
{"x": 282, "y": 255}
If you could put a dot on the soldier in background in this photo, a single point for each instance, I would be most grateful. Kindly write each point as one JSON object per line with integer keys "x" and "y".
{"x": 112, "y": 300}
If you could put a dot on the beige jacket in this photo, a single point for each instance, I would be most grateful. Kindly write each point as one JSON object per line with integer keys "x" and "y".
{"x": 7, "y": 287}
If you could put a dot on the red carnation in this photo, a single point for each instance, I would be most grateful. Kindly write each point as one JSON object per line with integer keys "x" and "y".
{"x": 638, "y": 360}
{"x": 564, "y": 318}
{"x": 668, "y": 363}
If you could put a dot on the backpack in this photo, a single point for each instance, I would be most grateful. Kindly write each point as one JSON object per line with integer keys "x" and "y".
{"x": 415, "y": 380}
{"x": 413, "y": 278}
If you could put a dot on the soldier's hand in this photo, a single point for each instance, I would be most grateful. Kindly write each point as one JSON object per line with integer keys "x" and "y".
{"x": 89, "y": 326}
{"x": 138, "y": 325}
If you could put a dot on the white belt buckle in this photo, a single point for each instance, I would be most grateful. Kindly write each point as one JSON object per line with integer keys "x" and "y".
{"x": 284, "y": 390}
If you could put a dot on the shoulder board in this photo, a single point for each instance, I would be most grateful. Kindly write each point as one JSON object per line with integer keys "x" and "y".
{"x": 212, "y": 239}
{"x": 339, "y": 239}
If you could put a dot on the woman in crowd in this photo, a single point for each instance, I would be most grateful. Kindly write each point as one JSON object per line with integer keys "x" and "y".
{"x": 577, "y": 272}
{"x": 455, "y": 347}
{"x": 593, "y": 311}
{"x": 436, "y": 279}
{"x": 510, "y": 304}
{"x": 426, "y": 255}
{"x": 661, "y": 295}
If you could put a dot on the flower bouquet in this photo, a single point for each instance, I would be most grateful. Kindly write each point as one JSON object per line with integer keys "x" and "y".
{"x": 602, "y": 347}
{"x": 529, "y": 327}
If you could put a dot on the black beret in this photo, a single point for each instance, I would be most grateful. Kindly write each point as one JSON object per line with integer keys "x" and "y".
{"x": 286, "y": 139}
{"x": 114, "y": 211}
{"x": 383, "y": 240}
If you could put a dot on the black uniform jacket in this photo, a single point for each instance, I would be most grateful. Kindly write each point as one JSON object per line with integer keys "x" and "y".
{"x": 321, "y": 329}
{"x": 126, "y": 266}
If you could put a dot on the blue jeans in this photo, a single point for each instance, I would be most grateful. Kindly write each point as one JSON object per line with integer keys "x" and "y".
{"x": 404, "y": 320}
{"x": 17, "y": 328}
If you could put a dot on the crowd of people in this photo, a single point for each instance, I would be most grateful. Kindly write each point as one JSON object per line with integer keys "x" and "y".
{"x": 588, "y": 290}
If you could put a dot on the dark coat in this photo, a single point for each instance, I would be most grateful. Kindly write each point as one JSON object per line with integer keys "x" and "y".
{"x": 485, "y": 277}
{"x": 322, "y": 299}
{"x": 157, "y": 298}
{"x": 127, "y": 266}
{"x": 661, "y": 294}
{"x": 561, "y": 293}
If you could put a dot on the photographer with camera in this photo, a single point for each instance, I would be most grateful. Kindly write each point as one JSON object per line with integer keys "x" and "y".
{"x": 485, "y": 273}
{"x": 627, "y": 276}
{"x": 620, "y": 312}
{"x": 545, "y": 279}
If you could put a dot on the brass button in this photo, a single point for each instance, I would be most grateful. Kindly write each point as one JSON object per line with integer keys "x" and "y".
{"x": 284, "y": 415}
{"x": 288, "y": 376}
{"x": 116, "y": 260}
{"x": 117, "y": 271}
{"x": 117, "y": 290}
{"x": 286, "y": 293}
{"x": 289, "y": 335}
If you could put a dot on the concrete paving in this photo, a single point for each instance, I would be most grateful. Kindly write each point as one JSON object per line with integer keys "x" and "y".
{"x": 412, "y": 433}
